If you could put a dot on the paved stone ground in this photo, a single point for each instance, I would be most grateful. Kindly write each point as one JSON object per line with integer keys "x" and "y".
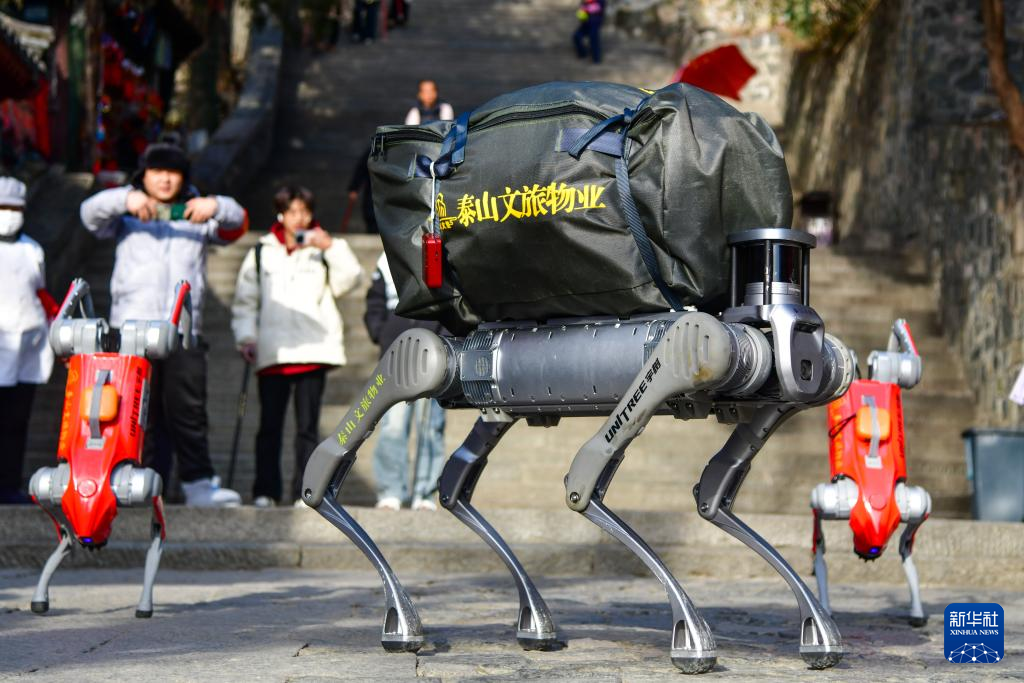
{"x": 288, "y": 625}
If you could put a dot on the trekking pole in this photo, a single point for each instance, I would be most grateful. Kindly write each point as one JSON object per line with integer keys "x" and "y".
{"x": 243, "y": 397}
{"x": 347, "y": 217}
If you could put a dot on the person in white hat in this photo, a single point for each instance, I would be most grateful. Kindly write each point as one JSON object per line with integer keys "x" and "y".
{"x": 25, "y": 356}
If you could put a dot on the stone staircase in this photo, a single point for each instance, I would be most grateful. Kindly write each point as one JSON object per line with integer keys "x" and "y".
{"x": 326, "y": 119}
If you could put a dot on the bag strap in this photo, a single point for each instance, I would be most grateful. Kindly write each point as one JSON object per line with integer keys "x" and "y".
{"x": 640, "y": 236}
{"x": 452, "y": 154}
{"x": 598, "y": 136}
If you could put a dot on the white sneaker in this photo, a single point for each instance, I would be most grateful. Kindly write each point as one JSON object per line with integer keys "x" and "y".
{"x": 424, "y": 504}
{"x": 389, "y": 503}
{"x": 263, "y": 502}
{"x": 299, "y": 503}
{"x": 207, "y": 493}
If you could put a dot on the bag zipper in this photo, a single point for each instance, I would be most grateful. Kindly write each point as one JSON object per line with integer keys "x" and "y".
{"x": 425, "y": 135}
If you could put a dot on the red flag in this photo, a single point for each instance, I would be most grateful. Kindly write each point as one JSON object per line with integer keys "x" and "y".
{"x": 723, "y": 71}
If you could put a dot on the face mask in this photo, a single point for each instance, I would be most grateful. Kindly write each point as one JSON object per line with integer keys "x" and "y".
{"x": 10, "y": 222}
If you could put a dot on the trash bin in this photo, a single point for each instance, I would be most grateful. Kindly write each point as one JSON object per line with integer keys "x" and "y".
{"x": 995, "y": 472}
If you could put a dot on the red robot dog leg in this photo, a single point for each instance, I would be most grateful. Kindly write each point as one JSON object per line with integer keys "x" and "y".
{"x": 916, "y": 505}
{"x": 820, "y": 568}
{"x": 41, "y": 598}
{"x": 829, "y": 501}
{"x": 156, "y": 549}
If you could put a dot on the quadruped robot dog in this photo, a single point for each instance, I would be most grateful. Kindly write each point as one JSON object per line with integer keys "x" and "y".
{"x": 102, "y": 428}
{"x": 763, "y": 359}
{"x": 867, "y": 455}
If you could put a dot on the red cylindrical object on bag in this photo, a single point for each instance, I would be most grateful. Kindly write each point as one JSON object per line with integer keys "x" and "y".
{"x": 432, "y": 260}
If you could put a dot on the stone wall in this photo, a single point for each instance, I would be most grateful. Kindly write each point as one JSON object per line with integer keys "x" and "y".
{"x": 689, "y": 27}
{"x": 903, "y": 127}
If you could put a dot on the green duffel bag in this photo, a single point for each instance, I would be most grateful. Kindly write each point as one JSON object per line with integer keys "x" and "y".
{"x": 575, "y": 199}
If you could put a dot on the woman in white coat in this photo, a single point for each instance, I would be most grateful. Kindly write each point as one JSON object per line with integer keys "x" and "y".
{"x": 286, "y": 322}
{"x": 25, "y": 356}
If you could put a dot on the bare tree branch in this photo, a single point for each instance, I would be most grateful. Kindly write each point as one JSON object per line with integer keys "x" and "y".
{"x": 1006, "y": 89}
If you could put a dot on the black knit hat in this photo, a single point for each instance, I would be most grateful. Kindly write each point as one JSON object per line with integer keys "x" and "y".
{"x": 166, "y": 156}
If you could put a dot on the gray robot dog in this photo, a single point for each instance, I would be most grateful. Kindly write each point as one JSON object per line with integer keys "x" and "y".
{"x": 765, "y": 358}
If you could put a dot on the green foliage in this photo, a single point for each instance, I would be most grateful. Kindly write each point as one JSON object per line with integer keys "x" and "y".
{"x": 823, "y": 24}
{"x": 290, "y": 13}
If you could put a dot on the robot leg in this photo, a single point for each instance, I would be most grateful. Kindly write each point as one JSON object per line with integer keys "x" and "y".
{"x": 41, "y": 598}
{"x": 694, "y": 354}
{"x": 416, "y": 365}
{"x": 916, "y": 505}
{"x": 144, "y": 610}
{"x": 535, "y": 629}
{"x": 820, "y": 568}
{"x": 820, "y": 643}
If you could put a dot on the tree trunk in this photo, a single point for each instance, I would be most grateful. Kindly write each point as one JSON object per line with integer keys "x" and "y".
{"x": 1006, "y": 89}
{"x": 93, "y": 66}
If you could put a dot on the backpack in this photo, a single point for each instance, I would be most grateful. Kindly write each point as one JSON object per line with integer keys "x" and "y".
{"x": 574, "y": 199}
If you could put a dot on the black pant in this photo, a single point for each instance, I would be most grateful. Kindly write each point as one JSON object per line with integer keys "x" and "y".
{"x": 177, "y": 416}
{"x": 591, "y": 31}
{"x": 15, "y": 409}
{"x": 275, "y": 391}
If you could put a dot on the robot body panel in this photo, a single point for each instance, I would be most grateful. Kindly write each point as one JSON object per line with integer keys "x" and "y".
{"x": 89, "y": 502}
{"x": 867, "y": 446}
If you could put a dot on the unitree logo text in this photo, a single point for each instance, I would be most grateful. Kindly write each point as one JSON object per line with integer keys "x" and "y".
{"x": 622, "y": 417}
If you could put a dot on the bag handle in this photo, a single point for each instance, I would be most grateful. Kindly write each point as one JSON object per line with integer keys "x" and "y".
{"x": 642, "y": 240}
{"x": 453, "y": 152}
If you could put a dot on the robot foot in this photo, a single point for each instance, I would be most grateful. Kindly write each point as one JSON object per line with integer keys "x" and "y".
{"x": 693, "y": 648}
{"x": 820, "y": 660}
{"x": 402, "y": 630}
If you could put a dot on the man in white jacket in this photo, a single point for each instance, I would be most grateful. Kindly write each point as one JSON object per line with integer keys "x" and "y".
{"x": 286, "y": 322}
{"x": 25, "y": 356}
{"x": 163, "y": 229}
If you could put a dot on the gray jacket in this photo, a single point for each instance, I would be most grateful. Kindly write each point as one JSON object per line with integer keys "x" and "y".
{"x": 151, "y": 257}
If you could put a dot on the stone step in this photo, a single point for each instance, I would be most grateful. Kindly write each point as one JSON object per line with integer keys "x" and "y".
{"x": 548, "y": 544}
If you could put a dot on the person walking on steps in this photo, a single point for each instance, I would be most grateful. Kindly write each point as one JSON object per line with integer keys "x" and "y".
{"x": 163, "y": 228}
{"x": 364, "y": 21}
{"x": 391, "y": 456}
{"x": 428, "y": 107}
{"x": 591, "y": 16}
{"x": 286, "y": 322}
{"x": 25, "y": 356}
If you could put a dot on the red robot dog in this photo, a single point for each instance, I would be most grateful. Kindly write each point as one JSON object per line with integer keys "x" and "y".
{"x": 102, "y": 427}
{"x": 869, "y": 468}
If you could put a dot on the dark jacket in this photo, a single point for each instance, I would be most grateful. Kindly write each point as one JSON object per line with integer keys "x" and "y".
{"x": 382, "y": 323}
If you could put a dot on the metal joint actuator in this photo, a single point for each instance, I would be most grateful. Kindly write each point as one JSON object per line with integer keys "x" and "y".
{"x": 754, "y": 366}
{"x": 104, "y": 421}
